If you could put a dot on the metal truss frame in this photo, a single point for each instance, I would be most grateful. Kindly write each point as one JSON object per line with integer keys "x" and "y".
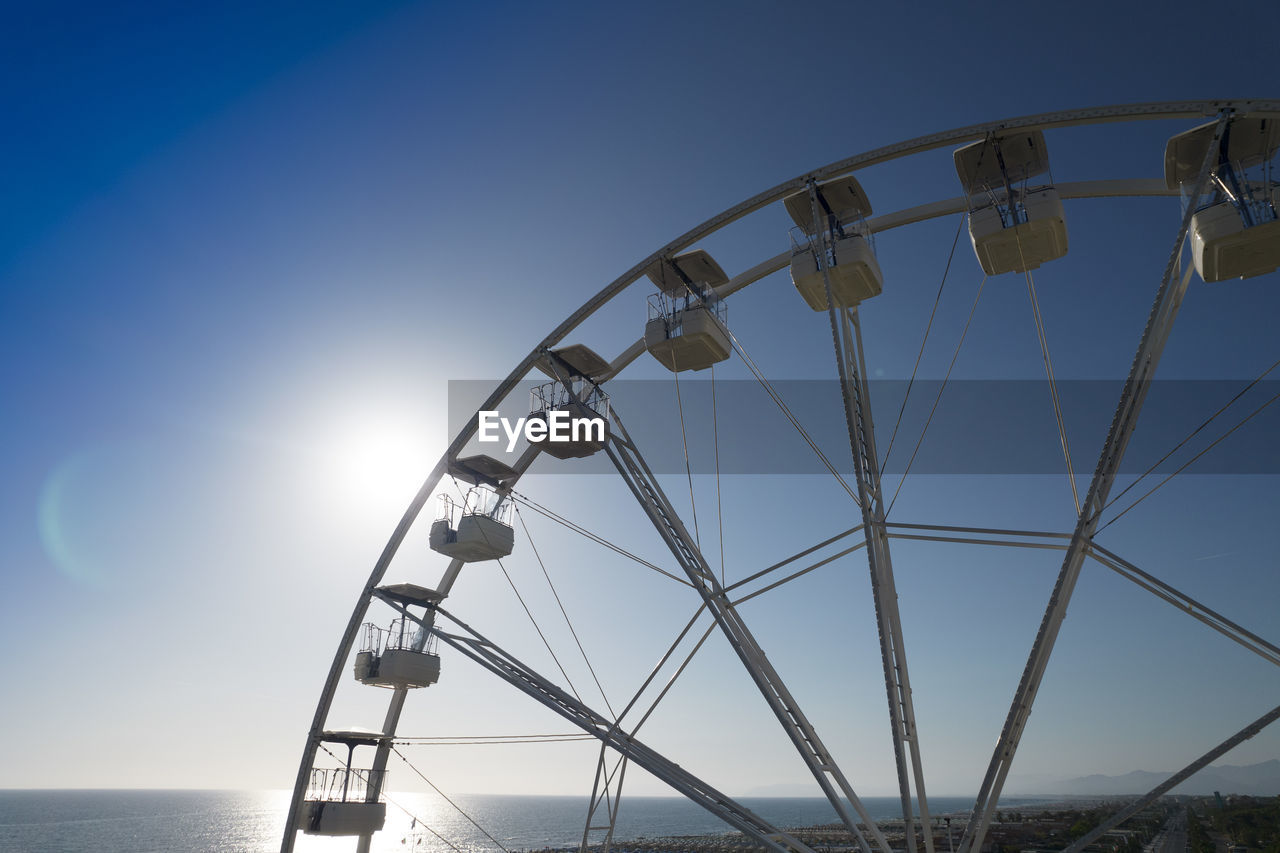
{"x": 1159, "y": 324}
{"x": 1118, "y": 113}
{"x": 506, "y": 666}
{"x": 846, "y": 336}
{"x": 631, "y": 466}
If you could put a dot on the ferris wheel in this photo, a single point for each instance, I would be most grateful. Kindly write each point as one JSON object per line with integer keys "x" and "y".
{"x": 1217, "y": 170}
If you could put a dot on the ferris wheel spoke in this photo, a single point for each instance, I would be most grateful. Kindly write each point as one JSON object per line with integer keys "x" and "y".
{"x": 630, "y": 464}
{"x": 1164, "y": 311}
{"x": 407, "y": 599}
{"x": 501, "y": 663}
{"x": 846, "y": 333}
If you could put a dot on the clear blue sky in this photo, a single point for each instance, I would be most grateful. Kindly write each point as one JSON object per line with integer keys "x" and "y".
{"x": 244, "y": 249}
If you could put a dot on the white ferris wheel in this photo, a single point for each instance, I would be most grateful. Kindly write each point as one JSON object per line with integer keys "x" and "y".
{"x": 1217, "y": 171}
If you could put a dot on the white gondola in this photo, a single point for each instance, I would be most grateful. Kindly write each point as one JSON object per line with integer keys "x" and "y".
{"x": 582, "y": 404}
{"x": 1235, "y": 232}
{"x": 852, "y": 268}
{"x": 582, "y": 423}
{"x": 475, "y": 531}
{"x": 331, "y": 818}
{"x": 345, "y": 801}
{"x": 396, "y": 657}
{"x": 1014, "y": 227}
{"x": 686, "y": 328}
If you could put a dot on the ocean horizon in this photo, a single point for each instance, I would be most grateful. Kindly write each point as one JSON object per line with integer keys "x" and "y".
{"x": 219, "y": 821}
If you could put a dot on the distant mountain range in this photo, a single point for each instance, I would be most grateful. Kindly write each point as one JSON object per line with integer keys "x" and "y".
{"x": 1258, "y": 780}
{"x": 1261, "y": 780}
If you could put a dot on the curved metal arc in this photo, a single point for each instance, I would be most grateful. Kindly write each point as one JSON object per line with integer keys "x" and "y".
{"x": 1108, "y": 188}
{"x": 345, "y": 645}
{"x": 344, "y": 650}
{"x": 1154, "y": 110}
{"x": 884, "y": 154}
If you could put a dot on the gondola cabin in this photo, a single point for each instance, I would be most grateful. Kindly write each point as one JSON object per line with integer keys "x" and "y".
{"x": 1014, "y": 227}
{"x": 345, "y": 801}
{"x": 837, "y": 236}
{"x": 476, "y": 530}
{"x": 396, "y": 657}
{"x": 327, "y": 817}
{"x": 574, "y": 407}
{"x": 1234, "y": 232}
{"x": 686, "y": 328}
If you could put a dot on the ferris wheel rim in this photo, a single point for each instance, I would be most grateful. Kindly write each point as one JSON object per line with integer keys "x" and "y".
{"x": 1142, "y": 111}
{"x": 1057, "y": 119}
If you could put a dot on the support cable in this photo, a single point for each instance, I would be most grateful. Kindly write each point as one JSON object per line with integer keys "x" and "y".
{"x": 1193, "y": 434}
{"x": 528, "y": 612}
{"x": 653, "y": 706}
{"x": 1053, "y": 383}
{"x": 786, "y": 411}
{"x": 449, "y": 801}
{"x": 773, "y": 394}
{"x": 1229, "y": 629}
{"x": 538, "y": 628}
{"x": 688, "y": 470}
{"x": 619, "y": 767}
{"x": 485, "y": 740}
{"x": 1188, "y": 463}
{"x": 920, "y": 355}
{"x": 564, "y": 613}
{"x": 938, "y": 398}
{"x": 518, "y": 497}
{"x": 715, "y": 433}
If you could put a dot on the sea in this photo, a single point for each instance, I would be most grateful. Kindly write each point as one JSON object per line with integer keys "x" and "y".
{"x": 134, "y": 821}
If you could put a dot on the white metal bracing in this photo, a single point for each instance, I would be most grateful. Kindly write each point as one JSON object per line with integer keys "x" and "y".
{"x": 831, "y": 779}
{"x": 606, "y": 793}
{"x": 1163, "y": 313}
{"x": 496, "y": 660}
{"x": 631, "y": 466}
{"x": 1090, "y": 189}
{"x": 847, "y": 342}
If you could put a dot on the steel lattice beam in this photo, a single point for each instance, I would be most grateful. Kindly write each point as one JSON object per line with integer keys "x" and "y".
{"x": 846, "y": 336}
{"x": 831, "y": 779}
{"x": 1159, "y": 324}
{"x": 504, "y": 665}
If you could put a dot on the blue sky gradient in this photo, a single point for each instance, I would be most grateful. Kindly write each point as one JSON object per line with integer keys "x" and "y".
{"x": 244, "y": 249}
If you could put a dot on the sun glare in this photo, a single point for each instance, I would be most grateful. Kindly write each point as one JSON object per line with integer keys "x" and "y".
{"x": 379, "y": 462}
